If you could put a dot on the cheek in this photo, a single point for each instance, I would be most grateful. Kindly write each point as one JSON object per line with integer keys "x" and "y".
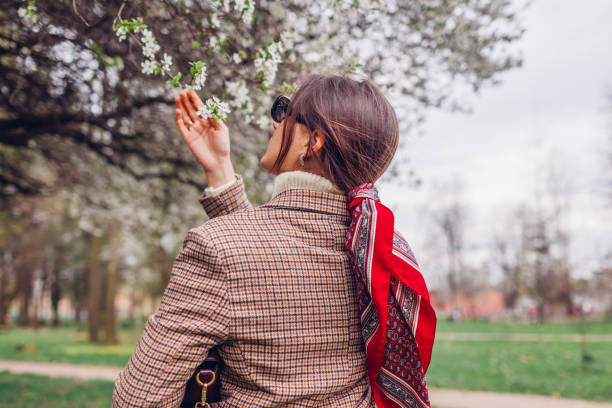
{"x": 271, "y": 151}
{"x": 275, "y": 141}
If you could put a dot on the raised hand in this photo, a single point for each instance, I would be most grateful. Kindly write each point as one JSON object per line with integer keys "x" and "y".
{"x": 209, "y": 141}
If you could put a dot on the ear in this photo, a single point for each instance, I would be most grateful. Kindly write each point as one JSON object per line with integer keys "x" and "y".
{"x": 318, "y": 140}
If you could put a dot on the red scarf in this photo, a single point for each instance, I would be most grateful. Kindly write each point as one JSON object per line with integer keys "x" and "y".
{"x": 397, "y": 321}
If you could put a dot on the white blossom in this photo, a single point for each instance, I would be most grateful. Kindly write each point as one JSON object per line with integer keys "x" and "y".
{"x": 121, "y": 33}
{"x": 212, "y": 42}
{"x": 166, "y": 63}
{"x": 203, "y": 111}
{"x": 267, "y": 62}
{"x": 150, "y": 46}
{"x": 225, "y": 5}
{"x": 214, "y": 108}
{"x": 28, "y": 14}
{"x": 149, "y": 50}
{"x": 214, "y": 20}
{"x": 263, "y": 122}
{"x": 147, "y": 36}
{"x": 240, "y": 94}
{"x": 148, "y": 66}
{"x": 275, "y": 49}
{"x": 222, "y": 107}
{"x": 246, "y": 7}
{"x": 288, "y": 39}
{"x": 200, "y": 79}
{"x": 236, "y": 58}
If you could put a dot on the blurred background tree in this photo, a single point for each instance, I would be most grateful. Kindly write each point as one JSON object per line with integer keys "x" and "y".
{"x": 97, "y": 187}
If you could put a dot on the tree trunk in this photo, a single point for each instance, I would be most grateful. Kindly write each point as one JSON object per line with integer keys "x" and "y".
{"x": 93, "y": 298}
{"x": 78, "y": 308}
{"x": 541, "y": 312}
{"x": 3, "y": 295}
{"x": 112, "y": 276}
{"x": 56, "y": 294}
{"x": 8, "y": 289}
{"x": 25, "y": 293}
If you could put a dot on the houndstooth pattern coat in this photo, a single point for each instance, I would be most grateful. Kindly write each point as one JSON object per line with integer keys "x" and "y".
{"x": 273, "y": 287}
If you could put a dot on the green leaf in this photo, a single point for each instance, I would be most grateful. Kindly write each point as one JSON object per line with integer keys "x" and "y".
{"x": 176, "y": 79}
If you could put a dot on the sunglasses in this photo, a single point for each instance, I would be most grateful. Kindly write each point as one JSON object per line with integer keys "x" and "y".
{"x": 279, "y": 110}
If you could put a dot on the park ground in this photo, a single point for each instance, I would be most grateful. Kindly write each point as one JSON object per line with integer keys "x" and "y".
{"x": 559, "y": 360}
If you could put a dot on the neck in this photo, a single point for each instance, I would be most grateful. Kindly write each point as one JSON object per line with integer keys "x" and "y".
{"x": 303, "y": 180}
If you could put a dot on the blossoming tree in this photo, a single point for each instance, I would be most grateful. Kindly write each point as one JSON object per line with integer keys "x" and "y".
{"x": 87, "y": 95}
{"x": 102, "y": 75}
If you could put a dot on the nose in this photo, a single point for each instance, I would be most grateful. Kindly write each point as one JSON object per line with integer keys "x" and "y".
{"x": 275, "y": 124}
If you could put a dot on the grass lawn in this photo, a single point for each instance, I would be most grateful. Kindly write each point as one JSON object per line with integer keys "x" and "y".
{"x": 546, "y": 368}
{"x": 33, "y": 391}
{"x": 65, "y": 344}
{"x": 572, "y": 327}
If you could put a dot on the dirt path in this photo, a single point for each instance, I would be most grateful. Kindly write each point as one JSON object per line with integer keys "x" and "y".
{"x": 79, "y": 371}
{"x": 439, "y": 398}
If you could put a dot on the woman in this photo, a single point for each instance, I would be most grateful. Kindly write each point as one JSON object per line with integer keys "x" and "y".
{"x": 312, "y": 299}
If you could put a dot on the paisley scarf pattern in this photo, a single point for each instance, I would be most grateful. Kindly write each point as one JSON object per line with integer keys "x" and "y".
{"x": 398, "y": 322}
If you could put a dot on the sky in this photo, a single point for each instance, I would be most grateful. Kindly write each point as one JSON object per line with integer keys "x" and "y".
{"x": 556, "y": 108}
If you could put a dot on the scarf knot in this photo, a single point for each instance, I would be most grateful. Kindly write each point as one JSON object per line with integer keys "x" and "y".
{"x": 365, "y": 190}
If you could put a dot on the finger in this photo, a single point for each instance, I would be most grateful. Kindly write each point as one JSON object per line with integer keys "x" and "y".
{"x": 180, "y": 123}
{"x": 181, "y": 106}
{"x": 191, "y": 111}
{"x": 195, "y": 99}
{"x": 196, "y": 102}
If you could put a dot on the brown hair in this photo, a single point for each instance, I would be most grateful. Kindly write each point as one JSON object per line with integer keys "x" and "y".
{"x": 357, "y": 122}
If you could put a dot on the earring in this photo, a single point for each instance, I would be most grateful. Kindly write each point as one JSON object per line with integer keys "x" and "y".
{"x": 301, "y": 159}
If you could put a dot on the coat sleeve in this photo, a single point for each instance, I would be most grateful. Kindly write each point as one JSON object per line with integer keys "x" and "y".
{"x": 193, "y": 316}
{"x": 227, "y": 201}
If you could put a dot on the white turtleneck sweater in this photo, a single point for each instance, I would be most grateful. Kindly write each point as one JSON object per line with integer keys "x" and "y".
{"x": 287, "y": 180}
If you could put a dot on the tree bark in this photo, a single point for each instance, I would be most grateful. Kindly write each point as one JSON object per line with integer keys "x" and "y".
{"x": 6, "y": 295}
{"x": 25, "y": 294}
{"x": 112, "y": 276}
{"x": 93, "y": 298}
{"x": 56, "y": 294}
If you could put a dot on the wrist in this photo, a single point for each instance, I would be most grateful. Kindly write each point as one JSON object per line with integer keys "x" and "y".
{"x": 221, "y": 175}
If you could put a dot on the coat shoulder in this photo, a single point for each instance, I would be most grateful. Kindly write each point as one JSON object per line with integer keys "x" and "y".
{"x": 245, "y": 222}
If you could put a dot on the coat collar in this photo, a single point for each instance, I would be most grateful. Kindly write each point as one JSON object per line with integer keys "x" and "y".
{"x": 303, "y": 191}
{"x": 313, "y": 201}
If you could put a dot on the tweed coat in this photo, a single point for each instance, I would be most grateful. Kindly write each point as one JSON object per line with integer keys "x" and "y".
{"x": 273, "y": 287}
